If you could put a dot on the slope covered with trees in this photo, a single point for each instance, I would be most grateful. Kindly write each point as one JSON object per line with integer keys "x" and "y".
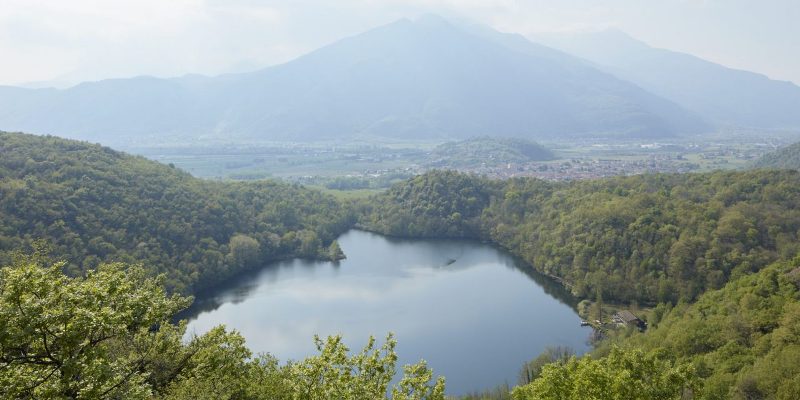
{"x": 92, "y": 204}
{"x": 785, "y": 158}
{"x": 743, "y": 340}
{"x": 646, "y": 239}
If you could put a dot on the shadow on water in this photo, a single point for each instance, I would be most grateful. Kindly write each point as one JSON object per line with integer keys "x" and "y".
{"x": 240, "y": 287}
{"x": 550, "y": 286}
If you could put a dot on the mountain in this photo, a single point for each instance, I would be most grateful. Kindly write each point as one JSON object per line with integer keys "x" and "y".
{"x": 409, "y": 79}
{"x": 92, "y": 204}
{"x": 784, "y": 158}
{"x": 723, "y": 95}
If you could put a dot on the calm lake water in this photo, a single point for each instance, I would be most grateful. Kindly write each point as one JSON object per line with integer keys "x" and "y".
{"x": 474, "y": 312}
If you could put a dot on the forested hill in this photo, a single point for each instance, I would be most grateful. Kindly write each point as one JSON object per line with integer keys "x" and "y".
{"x": 739, "y": 342}
{"x": 488, "y": 150}
{"x": 744, "y": 339}
{"x": 785, "y": 158}
{"x": 647, "y": 239}
{"x": 93, "y": 204}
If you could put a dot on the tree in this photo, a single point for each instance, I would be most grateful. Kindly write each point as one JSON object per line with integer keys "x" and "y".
{"x": 243, "y": 250}
{"x": 335, "y": 252}
{"x": 533, "y": 369}
{"x": 597, "y": 307}
{"x": 79, "y": 338}
{"x": 366, "y": 375}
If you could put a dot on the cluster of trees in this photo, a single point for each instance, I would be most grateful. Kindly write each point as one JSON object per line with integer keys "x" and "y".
{"x": 108, "y": 335}
{"x": 356, "y": 183}
{"x": 94, "y": 205}
{"x": 646, "y": 239}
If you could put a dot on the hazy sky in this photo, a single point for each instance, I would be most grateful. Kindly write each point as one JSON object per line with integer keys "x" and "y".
{"x": 76, "y": 40}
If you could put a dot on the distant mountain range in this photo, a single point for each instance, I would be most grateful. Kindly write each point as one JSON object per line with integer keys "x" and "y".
{"x": 724, "y": 96}
{"x": 427, "y": 78}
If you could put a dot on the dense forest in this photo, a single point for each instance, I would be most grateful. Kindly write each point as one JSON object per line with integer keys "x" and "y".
{"x": 91, "y": 204}
{"x": 646, "y": 239}
{"x": 787, "y": 158}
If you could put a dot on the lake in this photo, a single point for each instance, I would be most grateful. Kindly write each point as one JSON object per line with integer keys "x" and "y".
{"x": 473, "y": 311}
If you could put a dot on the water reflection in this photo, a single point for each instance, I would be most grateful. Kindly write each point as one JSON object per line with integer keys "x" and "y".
{"x": 474, "y": 312}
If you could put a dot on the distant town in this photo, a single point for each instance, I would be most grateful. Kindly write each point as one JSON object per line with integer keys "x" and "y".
{"x": 376, "y": 166}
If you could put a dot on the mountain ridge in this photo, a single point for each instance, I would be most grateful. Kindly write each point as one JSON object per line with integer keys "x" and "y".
{"x": 408, "y": 79}
{"x": 724, "y": 95}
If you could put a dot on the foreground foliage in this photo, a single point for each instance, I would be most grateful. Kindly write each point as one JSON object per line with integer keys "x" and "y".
{"x": 648, "y": 239}
{"x": 108, "y": 335}
{"x": 622, "y": 375}
{"x": 97, "y": 205}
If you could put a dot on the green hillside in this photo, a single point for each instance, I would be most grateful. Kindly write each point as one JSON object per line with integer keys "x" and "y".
{"x": 784, "y": 158}
{"x": 92, "y": 204}
{"x": 491, "y": 151}
{"x": 744, "y": 339}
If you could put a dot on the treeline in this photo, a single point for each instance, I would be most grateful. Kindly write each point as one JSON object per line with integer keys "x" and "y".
{"x": 648, "y": 239}
{"x": 92, "y": 204}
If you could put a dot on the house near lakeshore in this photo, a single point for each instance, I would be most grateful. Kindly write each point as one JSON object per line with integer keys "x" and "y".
{"x": 626, "y": 318}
